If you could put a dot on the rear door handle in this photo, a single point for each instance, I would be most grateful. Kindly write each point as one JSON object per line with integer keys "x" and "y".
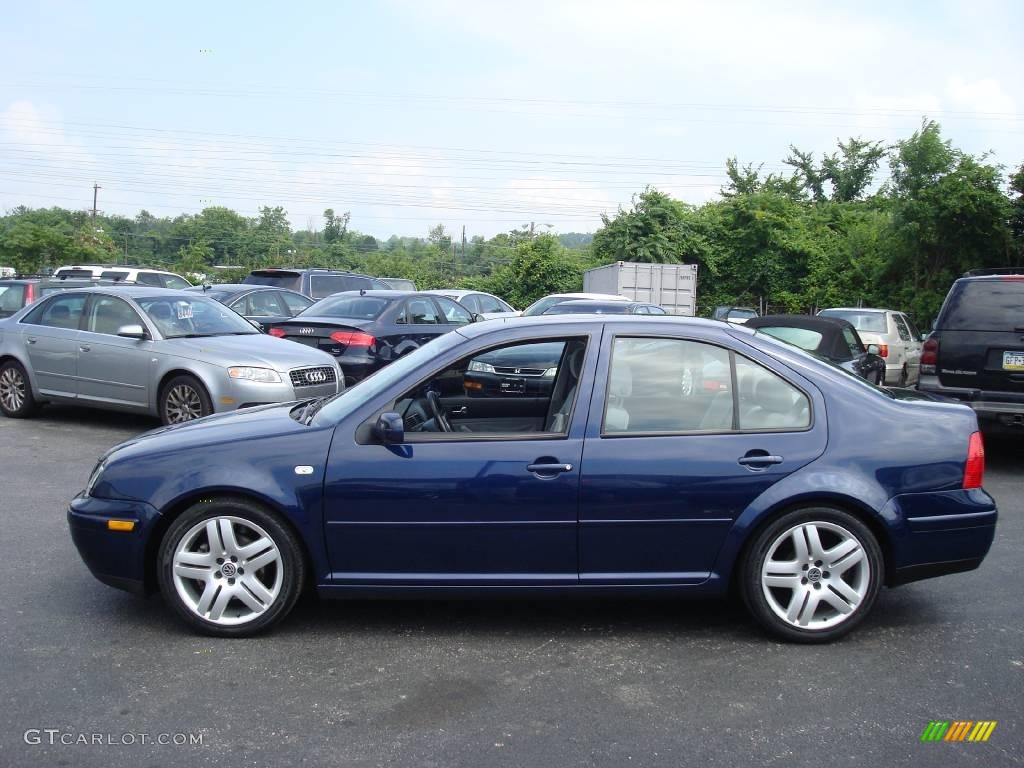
{"x": 757, "y": 461}
{"x": 460, "y": 411}
{"x": 549, "y": 469}
{"x": 84, "y": 348}
{"x": 30, "y": 340}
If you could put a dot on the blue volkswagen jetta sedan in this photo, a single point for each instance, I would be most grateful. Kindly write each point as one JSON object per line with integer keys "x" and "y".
{"x": 671, "y": 456}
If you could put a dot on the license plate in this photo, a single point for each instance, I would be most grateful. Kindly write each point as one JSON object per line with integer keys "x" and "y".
{"x": 512, "y": 386}
{"x": 1013, "y": 361}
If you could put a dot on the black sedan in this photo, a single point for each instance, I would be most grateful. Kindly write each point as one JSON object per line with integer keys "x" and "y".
{"x": 366, "y": 330}
{"x": 592, "y": 307}
{"x": 263, "y": 305}
{"x": 834, "y": 339}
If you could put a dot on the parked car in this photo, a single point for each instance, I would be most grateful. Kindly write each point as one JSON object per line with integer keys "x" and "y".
{"x": 541, "y": 305}
{"x": 399, "y": 283}
{"x": 777, "y": 487}
{"x": 734, "y": 314}
{"x": 484, "y": 304}
{"x": 592, "y": 307}
{"x": 172, "y": 354}
{"x": 896, "y": 336}
{"x": 156, "y": 278}
{"x": 975, "y": 353}
{"x": 258, "y": 304}
{"x": 315, "y": 283}
{"x": 366, "y": 330}
{"x": 829, "y": 337}
{"x": 18, "y": 293}
{"x": 525, "y": 370}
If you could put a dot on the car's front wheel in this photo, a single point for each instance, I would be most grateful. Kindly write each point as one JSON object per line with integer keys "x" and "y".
{"x": 183, "y": 399}
{"x": 230, "y": 568}
{"x": 16, "y": 398}
{"x": 812, "y": 575}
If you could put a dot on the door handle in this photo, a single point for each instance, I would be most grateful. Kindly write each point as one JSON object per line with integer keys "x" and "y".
{"x": 548, "y": 469}
{"x": 30, "y": 340}
{"x": 758, "y": 461}
{"x": 84, "y": 348}
{"x": 460, "y": 411}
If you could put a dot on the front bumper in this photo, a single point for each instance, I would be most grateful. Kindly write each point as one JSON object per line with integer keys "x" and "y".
{"x": 117, "y": 558}
{"x": 939, "y": 533}
{"x": 239, "y": 393}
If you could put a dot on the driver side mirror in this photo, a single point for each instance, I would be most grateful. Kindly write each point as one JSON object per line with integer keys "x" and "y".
{"x": 390, "y": 428}
{"x": 476, "y": 317}
{"x": 135, "y": 331}
{"x": 873, "y": 349}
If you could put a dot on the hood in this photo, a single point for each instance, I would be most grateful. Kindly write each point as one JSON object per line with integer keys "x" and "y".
{"x": 255, "y": 349}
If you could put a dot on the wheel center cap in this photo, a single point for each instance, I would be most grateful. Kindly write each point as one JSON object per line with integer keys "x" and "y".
{"x": 814, "y": 575}
{"x": 228, "y": 569}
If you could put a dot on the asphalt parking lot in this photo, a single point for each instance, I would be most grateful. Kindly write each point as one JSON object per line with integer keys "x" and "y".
{"x": 603, "y": 683}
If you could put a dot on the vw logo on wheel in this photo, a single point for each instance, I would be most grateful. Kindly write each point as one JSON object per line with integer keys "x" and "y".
{"x": 306, "y": 331}
{"x": 316, "y": 377}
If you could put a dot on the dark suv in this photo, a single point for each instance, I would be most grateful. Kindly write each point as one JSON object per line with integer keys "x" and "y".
{"x": 315, "y": 283}
{"x": 976, "y": 351}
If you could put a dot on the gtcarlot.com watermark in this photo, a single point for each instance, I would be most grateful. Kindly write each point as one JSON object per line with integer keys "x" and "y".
{"x": 58, "y": 737}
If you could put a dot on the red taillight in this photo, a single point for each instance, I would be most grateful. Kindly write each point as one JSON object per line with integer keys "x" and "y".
{"x": 30, "y": 293}
{"x": 883, "y": 350}
{"x": 974, "y": 471}
{"x": 276, "y": 332}
{"x": 930, "y": 356}
{"x": 353, "y": 338}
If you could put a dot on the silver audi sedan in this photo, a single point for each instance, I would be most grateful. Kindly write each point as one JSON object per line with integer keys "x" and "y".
{"x": 169, "y": 353}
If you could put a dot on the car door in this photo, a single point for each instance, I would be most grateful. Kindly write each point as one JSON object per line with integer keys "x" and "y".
{"x": 114, "y": 370}
{"x": 50, "y": 332}
{"x": 685, "y": 432}
{"x": 911, "y": 345}
{"x": 295, "y": 302}
{"x": 263, "y": 307}
{"x": 487, "y": 508}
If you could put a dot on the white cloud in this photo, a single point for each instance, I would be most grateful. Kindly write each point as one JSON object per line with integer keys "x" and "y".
{"x": 985, "y": 95}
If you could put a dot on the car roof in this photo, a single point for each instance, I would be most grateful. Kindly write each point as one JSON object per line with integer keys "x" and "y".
{"x": 595, "y": 296}
{"x": 824, "y": 325}
{"x": 856, "y": 309}
{"x": 451, "y": 292}
{"x": 379, "y": 293}
{"x": 594, "y": 303}
{"x": 645, "y": 322}
{"x": 135, "y": 291}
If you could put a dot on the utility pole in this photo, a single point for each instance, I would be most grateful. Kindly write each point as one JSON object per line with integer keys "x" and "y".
{"x": 95, "y": 190}
{"x": 463, "y": 249}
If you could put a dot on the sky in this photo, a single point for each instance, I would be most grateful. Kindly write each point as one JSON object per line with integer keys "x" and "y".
{"x": 488, "y": 114}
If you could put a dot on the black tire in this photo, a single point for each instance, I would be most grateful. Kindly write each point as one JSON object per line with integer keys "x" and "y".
{"x": 757, "y": 601}
{"x": 172, "y": 406}
{"x": 16, "y": 398}
{"x": 904, "y": 376}
{"x": 291, "y": 563}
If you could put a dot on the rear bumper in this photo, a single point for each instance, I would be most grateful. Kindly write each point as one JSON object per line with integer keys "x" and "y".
{"x": 117, "y": 558}
{"x": 1000, "y": 407}
{"x": 939, "y": 533}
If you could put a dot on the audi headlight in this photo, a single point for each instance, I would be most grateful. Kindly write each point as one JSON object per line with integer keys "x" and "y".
{"x": 262, "y": 375}
{"x": 475, "y": 365}
{"x": 94, "y": 478}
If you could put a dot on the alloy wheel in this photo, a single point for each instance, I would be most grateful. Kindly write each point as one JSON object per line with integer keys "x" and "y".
{"x": 227, "y": 570}
{"x": 12, "y": 389}
{"x": 815, "y": 575}
{"x": 183, "y": 404}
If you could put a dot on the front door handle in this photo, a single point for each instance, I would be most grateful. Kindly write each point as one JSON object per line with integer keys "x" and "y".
{"x": 30, "y": 340}
{"x": 460, "y": 411}
{"x": 84, "y": 348}
{"x": 759, "y": 461}
{"x": 549, "y": 469}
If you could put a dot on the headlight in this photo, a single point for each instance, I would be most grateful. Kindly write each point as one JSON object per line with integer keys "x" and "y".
{"x": 550, "y": 373}
{"x": 97, "y": 472}
{"x": 263, "y": 375}
{"x": 475, "y": 365}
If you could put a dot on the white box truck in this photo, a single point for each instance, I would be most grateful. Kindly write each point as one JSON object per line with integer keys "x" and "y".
{"x": 673, "y": 286}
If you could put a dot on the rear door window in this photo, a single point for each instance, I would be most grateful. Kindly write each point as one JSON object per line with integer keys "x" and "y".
{"x": 901, "y": 327}
{"x": 984, "y": 305}
{"x": 325, "y": 285}
{"x": 173, "y": 281}
{"x": 149, "y": 278}
{"x": 263, "y": 304}
{"x": 419, "y": 311}
{"x": 295, "y": 302}
{"x": 914, "y": 333}
{"x": 12, "y": 298}
{"x": 60, "y": 312}
{"x": 453, "y": 312}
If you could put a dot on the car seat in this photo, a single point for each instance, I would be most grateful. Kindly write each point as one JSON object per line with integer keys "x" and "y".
{"x": 620, "y": 386}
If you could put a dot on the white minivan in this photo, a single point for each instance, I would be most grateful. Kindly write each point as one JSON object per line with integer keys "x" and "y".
{"x": 138, "y": 275}
{"x": 898, "y": 340}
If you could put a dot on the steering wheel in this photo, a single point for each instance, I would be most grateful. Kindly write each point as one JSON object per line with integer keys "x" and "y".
{"x": 438, "y": 411}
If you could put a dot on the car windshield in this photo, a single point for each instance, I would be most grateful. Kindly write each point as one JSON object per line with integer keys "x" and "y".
{"x": 290, "y": 280}
{"x": 984, "y": 305}
{"x": 872, "y": 322}
{"x": 355, "y": 306}
{"x": 741, "y": 314}
{"x": 542, "y": 305}
{"x": 344, "y": 402}
{"x": 800, "y": 337}
{"x": 180, "y": 316}
{"x": 770, "y": 340}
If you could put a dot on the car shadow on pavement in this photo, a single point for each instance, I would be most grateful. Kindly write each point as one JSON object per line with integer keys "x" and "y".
{"x": 70, "y": 415}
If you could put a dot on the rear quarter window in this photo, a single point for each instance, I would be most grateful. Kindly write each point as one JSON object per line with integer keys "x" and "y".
{"x": 983, "y": 305}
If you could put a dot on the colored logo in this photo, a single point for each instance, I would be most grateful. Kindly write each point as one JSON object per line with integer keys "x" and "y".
{"x": 958, "y": 730}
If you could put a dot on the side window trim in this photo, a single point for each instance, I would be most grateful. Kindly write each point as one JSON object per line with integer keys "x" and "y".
{"x": 733, "y": 354}
{"x": 83, "y": 323}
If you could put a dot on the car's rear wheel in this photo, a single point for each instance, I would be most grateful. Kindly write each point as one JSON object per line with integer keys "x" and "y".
{"x": 183, "y": 399}
{"x": 230, "y": 568}
{"x": 904, "y": 376}
{"x": 812, "y": 575}
{"x": 16, "y": 399}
